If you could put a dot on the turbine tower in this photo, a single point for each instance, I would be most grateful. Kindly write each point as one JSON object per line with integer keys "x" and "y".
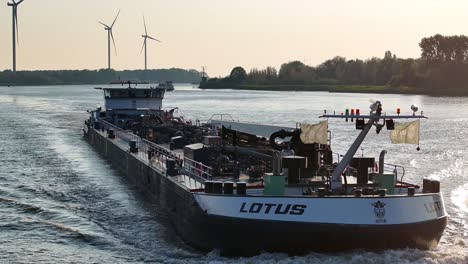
{"x": 109, "y": 36}
{"x": 145, "y": 36}
{"x": 14, "y": 6}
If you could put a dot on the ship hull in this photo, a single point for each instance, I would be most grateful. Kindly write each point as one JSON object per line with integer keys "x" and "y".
{"x": 231, "y": 225}
{"x": 250, "y": 224}
{"x": 235, "y": 237}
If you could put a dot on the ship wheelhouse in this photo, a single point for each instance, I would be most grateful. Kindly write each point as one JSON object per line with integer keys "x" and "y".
{"x": 133, "y": 98}
{"x": 129, "y": 103}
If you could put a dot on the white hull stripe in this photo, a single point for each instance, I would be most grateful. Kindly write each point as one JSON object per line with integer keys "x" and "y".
{"x": 354, "y": 211}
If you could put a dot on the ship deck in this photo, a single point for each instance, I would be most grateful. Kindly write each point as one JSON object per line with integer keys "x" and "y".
{"x": 196, "y": 184}
{"x": 157, "y": 162}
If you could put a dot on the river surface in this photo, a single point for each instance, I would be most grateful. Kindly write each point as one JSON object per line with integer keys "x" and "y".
{"x": 61, "y": 202}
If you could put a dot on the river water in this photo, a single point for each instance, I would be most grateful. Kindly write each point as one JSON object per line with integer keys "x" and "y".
{"x": 61, "y": 202}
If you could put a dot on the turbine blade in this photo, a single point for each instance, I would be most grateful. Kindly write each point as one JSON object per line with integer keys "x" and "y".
{"x": 144, "y": 43}
{"x": 103, "y": 24}
{"x": 18, "y": 2}
{"x": 113, "y": 41}
{"x": 16, "y": 22}
{"x": 154, "y": 39}
{"x": 115, "y": 19}
{"x": 144, "y": 23}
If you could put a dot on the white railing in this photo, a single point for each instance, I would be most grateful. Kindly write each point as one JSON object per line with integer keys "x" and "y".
{"x": 221, "y": 116}
{"x": 395, "y": 169}
{"x": 157, "y": 155}
{"x": 197, "y": 170}
{"x": 119, "y": 132}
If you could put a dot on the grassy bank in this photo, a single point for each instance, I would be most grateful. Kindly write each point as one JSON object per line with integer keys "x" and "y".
{"x": 346, "y": 89}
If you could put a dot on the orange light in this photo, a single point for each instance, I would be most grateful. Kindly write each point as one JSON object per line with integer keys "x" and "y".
{"x": 352, "y": 111}
{"x": 398, "y": 111}
{"x": 358, "y": 112}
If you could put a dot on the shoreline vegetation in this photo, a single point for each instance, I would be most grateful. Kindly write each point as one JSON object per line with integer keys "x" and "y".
{"x": 342, "y": 88}
{"x": 83, "y": 77}
{"x": 442, "y": 69}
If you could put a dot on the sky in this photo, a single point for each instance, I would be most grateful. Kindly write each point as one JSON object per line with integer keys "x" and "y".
{"x": 221, "y": 34}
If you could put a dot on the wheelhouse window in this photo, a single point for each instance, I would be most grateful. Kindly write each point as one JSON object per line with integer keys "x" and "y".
{"x": 133, "y": 93}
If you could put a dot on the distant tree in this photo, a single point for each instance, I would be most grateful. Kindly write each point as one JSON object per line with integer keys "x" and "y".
{"x": 439, "y": 49}
{"x": 238, "y": 74}
{"x": 352, "y": 73}
{"x": 385, "y": 69}
{"x": 330, "y": 68}
{"x": 271, "y": 73}
{"x": 264, "y": 76}
{"x": 296, "y": 72}
{"x": 407, "y": 75}
{"x": 369, "y": 75}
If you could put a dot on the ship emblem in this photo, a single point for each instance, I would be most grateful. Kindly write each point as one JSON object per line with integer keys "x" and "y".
{"x": 379, "y": 211}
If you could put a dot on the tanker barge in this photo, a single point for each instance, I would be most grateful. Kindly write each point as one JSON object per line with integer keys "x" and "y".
{"x": 244, "y": 188}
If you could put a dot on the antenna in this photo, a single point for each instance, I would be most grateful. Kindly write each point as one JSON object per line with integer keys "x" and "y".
{"x": 110, "y": 36}
{"x": 146, "y": 36}
{"x": 203, "y": 73}
{"x": 15, "y": 38}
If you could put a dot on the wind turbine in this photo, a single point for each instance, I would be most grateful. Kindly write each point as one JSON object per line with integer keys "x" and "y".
{"x": 109, "y": 36}
{"x": 14, "y": 6}
{"x": 145, "y": 36}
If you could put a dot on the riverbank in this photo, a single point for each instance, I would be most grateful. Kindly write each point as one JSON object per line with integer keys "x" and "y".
{"x": 337, "y": 88}
{"x": 90, "y": 77}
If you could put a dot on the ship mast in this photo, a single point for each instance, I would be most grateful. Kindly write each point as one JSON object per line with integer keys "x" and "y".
{"x": 374, "y": 117}
{"x": 336, "y": 176}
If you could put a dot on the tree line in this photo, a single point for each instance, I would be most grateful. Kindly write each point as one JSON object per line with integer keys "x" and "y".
{"x": 62, "y": 77}
{"x": 443, "y": 65}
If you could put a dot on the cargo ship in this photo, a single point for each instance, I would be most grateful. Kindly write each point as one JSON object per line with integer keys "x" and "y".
{"x": 244, "y": 188}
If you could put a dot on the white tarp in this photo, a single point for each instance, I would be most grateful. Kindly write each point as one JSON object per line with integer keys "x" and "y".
{"x": 405, "y": 133}
{"x": 317, "y": 133}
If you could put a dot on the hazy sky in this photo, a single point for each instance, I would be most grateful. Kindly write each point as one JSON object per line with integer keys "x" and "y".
{"x": 221, "y": 34}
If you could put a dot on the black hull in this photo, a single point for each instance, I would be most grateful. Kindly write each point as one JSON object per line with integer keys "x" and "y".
{"x": 234, "y": 236}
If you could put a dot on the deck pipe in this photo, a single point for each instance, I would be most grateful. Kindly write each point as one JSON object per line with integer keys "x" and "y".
{"x": 277, "y": 163}
{"x": 246, "y": 151}
{"x": 382, "y": 161}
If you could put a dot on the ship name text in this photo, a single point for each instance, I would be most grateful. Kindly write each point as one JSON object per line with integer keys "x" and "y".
{"x": 273, "y": 208}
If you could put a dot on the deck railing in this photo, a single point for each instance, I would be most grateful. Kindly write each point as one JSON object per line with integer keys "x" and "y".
{"x": 157, "y": 155}
{"x": 197, "y": 170}
{"x": 398, "y": 170}
{"x": 221, "y": 116}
